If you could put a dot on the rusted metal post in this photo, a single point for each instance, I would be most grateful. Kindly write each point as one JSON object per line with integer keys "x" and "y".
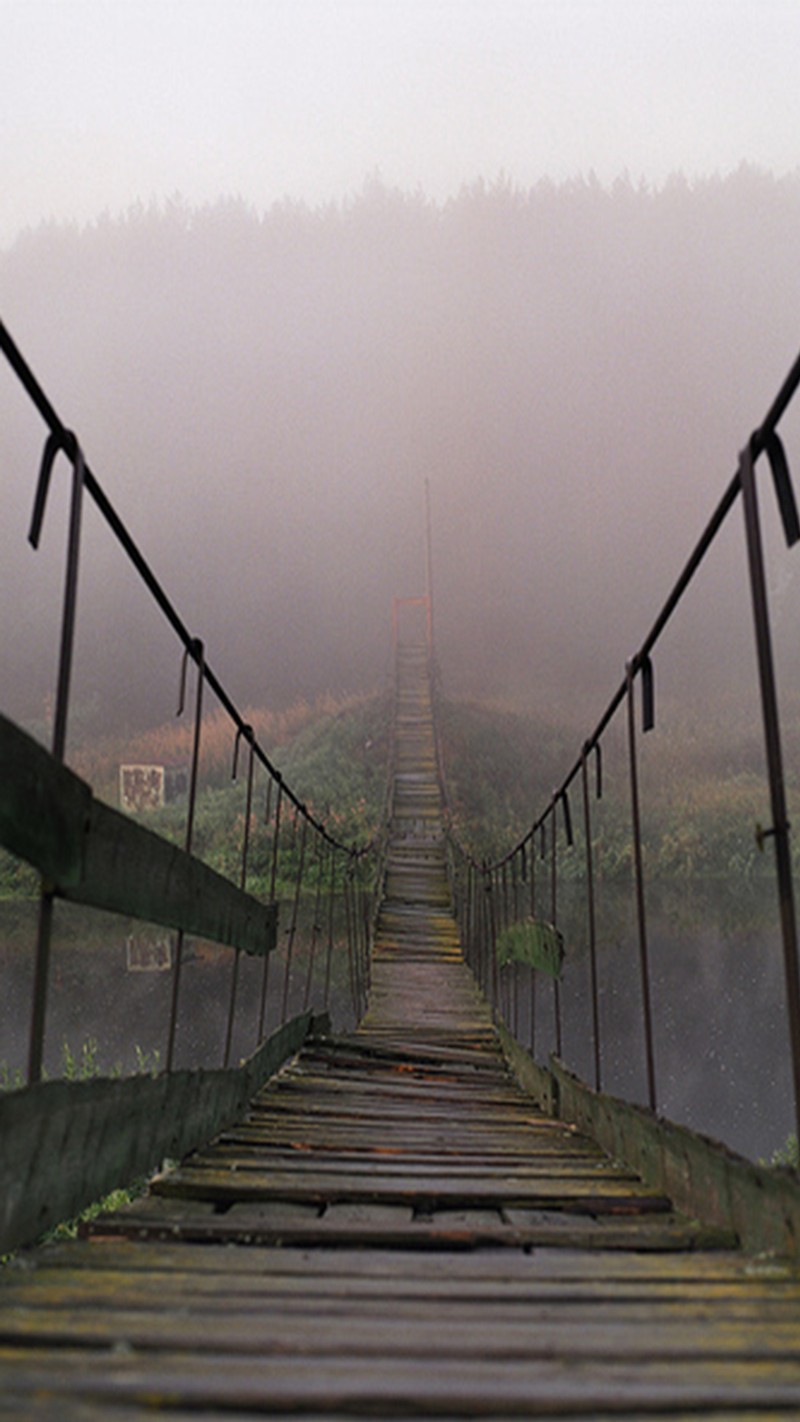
{"x": 486, "y": 936}
{"x": 492, "y": 942}
{"x": 329, "y": 946}
{"x": 532, "y": 869}
{"x": 41, "y": 968}
{"x": 504, "y": 886}
{"x": 554, "y": 920}
{"x": 472, "y": 931}
{"x": 461, "y": 880}
{"x": 515, "y": 886}
{"x": 247, "y": 732}
{"x": 355, "y": 910}
{"x": 293, "y": 924}
{"x": 348, "y": 920}
{"x": 367, "y": 939}
{"x": 197, "y": 651}
{"x": 315, "y": 927}
{"x": 587, "y": 829}
{"x": 474, "y": 920}
{"x": 515, "y": 917}
{"x": 641, "y": 916}
{"x": 428, "y": 572}
{"x": 779, "y": 831}
{"x": 504, "y": 998}
{"x": 273, "y": 874}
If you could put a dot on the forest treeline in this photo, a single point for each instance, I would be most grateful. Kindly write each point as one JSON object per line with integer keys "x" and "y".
{"x": 573, "y": 369}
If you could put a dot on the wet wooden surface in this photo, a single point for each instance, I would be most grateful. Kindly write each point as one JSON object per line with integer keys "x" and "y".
{"x": 394, "y": 1229}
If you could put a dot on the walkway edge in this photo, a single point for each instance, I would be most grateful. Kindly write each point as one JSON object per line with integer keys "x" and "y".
{"x": 760, "y": 1204}
{"x": 67, "y": 1143}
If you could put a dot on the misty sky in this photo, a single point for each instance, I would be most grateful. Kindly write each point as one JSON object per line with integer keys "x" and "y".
{"x": 573, "y": 366}
{"x": 105, "y": 102}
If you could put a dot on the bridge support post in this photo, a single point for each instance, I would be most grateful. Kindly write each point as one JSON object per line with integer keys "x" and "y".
{"x": 779, "y": 832}
{"x": 647, "y": 1016}
{"x": 41, "y": 971}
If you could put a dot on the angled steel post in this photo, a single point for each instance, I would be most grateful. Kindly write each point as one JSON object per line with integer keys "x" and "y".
{"x": 69, "y": 444}
{"x": 779, "y": 831}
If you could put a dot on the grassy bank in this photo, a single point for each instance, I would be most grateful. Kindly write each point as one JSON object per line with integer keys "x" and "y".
{"x": 702, "y": 795}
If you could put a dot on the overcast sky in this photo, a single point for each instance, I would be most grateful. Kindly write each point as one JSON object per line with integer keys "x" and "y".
{"x": 103, "y": 102}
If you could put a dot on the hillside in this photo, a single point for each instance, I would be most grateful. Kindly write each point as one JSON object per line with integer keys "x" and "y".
{"x": 701, "y": 799}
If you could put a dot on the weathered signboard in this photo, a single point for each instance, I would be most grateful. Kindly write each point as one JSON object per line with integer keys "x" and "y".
{"x": 148, "y": 787}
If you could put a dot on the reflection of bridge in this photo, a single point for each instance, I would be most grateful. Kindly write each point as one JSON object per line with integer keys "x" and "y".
{"x": 426, "y": 1220}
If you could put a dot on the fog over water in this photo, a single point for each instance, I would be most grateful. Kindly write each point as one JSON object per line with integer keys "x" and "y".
{"x": 572, "y": 368}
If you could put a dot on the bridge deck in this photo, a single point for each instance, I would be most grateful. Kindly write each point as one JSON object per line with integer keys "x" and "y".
{"x": 412, "y": 1236}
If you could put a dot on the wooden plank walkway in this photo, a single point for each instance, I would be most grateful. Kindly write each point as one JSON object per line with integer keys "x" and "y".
{"x": 394, "y": 1230}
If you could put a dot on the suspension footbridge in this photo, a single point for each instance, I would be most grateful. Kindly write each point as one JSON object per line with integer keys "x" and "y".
{"x": 414, "y": 1216}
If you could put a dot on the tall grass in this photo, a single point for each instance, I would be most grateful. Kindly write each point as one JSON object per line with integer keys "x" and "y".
{"x": 98, "y": 760}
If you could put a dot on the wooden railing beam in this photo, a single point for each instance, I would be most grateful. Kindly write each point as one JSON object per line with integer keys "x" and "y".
{"x": 92, "y": 854}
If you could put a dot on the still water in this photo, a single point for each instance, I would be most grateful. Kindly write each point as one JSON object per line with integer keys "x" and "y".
{"x": 111, "y": 984}
{"x": 721, "y": 1033}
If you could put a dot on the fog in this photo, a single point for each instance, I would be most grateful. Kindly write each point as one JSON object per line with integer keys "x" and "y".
{"x": 573, "y": 369}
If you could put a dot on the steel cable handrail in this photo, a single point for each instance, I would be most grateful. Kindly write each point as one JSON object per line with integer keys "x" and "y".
{"x": 63, "y": 439}
{"x": 763, "y": 440}
{"x": 492, "y": 875}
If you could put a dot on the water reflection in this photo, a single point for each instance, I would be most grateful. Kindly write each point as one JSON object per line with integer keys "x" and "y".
{"x": 100, "y": 989}
{"x": 721, "y": 1035}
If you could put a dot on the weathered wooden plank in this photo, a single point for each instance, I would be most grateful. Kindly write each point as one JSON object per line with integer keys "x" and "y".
{"x": 240, "y": 1183}
{"x": 442, "y": 1233}
{"x": 66, "y": 1143}
{"x": 373, "y": 1162}
{"x": 487, "y": 1301}
{"x": 293, "y": 1135}
{"x": 424, "y": 1331}
{"x": 388, "y": 1269}
{"x": 464, "y": 1387}
{"x": 428, "y": 1242}
{"x": 134, "y": 1276}
{"x": 93, "y": 855}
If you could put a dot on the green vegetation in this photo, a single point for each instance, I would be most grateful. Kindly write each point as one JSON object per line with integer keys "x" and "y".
{"x": 83, "y": 1065}
{"x": 702, "y": 795}
{"x": 335, "y": 764}
{"x": 11, "y": 1078}
{"x": 333, "y": 756}
{"x": 701, "y": 799}
{"x": 534, "y": 942}
{"x": 17, "y": 879}
{"x": 114, "y": 1200}
{"x": 500, "y": 767}
{"x": 787, "y": 1154}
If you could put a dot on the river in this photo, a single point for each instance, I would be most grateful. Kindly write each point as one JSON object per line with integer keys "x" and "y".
{"x": 720, "y": 1026}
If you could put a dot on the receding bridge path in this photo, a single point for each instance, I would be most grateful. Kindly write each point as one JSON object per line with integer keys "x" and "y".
{"x": 396, "y": 1229}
